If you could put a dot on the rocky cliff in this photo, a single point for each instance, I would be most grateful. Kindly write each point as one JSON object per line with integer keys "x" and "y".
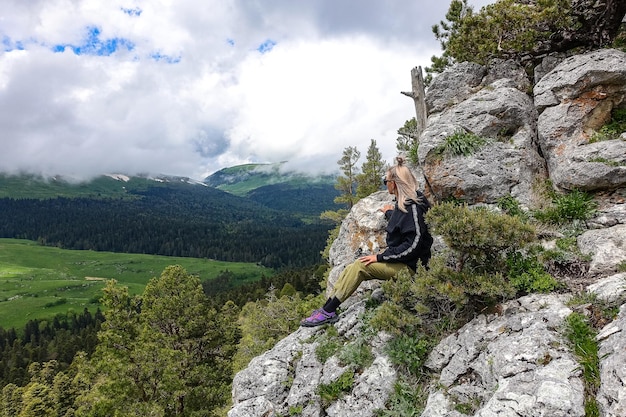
{"x": 514, "y": 362}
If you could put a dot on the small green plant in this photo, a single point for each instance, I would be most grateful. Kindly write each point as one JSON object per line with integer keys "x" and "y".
{"x": 467, "y": 408}
{"x": 605, "y": 162}
{"x": 295, "y": 410}
{"x": 582, "y": 339}
{"x": 512, "y": 207}
{"x": 460, "y": 143}
{"x": 567, "y": 244}
{"x": 576, "y": 205}
{"x": 409, "y": 351}
{"x": 407, "y": 399}
{"x": 330, "y": 343}
{"x": 357, "y": 353}
{"x": 621, "y": 267}
{"x": 601, "y": 310}
{"x": 528, "y": 275}
{"x": 329, "y": 393}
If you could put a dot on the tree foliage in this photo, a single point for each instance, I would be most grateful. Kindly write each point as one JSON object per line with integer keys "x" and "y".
{"x": 198, "y": 223}
{"x": 372, "y": 170}
{"x": 165, "y": 353}
{"x": 58, "y": 338}
{"x": 266, "y": 321}
{"x": 523, "y": 30}
{"x": 347, "y": 182}
{"x": 408, "y": 139}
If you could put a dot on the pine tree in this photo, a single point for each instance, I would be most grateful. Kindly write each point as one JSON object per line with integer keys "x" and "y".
{"x": 166, "y": 353}
{"x": 524, "y": 30}
{"x": 347, "y": 183}
{"x": 370, "y": 179}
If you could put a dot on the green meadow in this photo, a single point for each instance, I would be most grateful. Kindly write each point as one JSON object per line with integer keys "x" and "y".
{"x": 37, "y": 282}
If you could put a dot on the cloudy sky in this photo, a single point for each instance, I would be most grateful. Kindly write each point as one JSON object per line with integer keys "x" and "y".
{"x": 187, "y": 87}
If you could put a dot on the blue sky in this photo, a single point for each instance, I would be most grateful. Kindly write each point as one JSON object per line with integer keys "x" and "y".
{"x": 187, "y": 87}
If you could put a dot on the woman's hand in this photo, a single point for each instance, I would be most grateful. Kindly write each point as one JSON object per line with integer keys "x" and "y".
{"x": 386, "y": 208}
{"x": 369, "y": 259}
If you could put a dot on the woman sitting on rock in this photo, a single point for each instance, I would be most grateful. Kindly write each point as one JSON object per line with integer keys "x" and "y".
{"x": 408, "y": 241}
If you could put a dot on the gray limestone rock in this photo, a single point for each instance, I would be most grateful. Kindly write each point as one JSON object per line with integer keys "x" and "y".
{"x": 453, "y": 86}
{"x": 611, "y": 289}
{"x": 515, "y": 364}
{"x": 612, "y": 353}
{"x": 575, "y": 100}
{"x": 287, "y": 377}
{"x": 509, "y": 163}
{"x": 607, "y": 248}
{"x": 361, "y": 233}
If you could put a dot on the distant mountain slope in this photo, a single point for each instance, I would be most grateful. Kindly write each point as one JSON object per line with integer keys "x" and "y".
{"x": 103, "y": 186}
{"x": 267, "y": 184}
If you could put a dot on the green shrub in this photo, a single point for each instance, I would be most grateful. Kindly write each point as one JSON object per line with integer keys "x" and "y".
{"x": 409, "y": 352}
{"x": 479, "y": 238}
{"x": 576, "y": 205}
{"x": 458, "y": 286}
{"x": 460, "y": 143}
{"x": 55, "y": 303}
{"x": 528, "y": 275}
{"x": 392, "y": 317}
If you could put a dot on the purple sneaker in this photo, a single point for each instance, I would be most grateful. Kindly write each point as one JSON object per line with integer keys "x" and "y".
{"x": 318, "y": 318}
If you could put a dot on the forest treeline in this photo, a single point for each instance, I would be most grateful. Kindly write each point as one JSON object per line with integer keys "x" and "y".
{"x": 61, "y": 337}
{"x": 58, "y": 338}
{"x": 197, "y": 222}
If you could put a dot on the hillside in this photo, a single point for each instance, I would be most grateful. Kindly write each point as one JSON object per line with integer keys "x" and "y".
{"x": 268, "y": 185}
{"x": 105, "y": 186}
{"x": 168, "y": 216}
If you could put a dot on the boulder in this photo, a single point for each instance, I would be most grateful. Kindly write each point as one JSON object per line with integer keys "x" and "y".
{"x": 513, "y": 364}
{"x": 575, "y": 100}
{"x": 509, "y": 164}
{"x": 607, "y": 247}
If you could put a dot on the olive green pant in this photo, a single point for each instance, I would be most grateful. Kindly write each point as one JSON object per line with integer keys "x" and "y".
{"x": 357, "y": 272}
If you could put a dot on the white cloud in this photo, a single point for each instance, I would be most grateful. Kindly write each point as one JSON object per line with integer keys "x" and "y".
{"x": 179, "y": 87}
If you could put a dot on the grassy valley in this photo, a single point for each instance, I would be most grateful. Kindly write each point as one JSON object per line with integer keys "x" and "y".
{"x": 37, "y": 282}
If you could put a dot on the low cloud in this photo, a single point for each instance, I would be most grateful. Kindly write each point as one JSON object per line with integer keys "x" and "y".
{"x": 186, "y": 89}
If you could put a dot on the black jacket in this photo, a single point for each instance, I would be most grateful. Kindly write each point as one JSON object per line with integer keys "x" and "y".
{"x": 408, "y": 238}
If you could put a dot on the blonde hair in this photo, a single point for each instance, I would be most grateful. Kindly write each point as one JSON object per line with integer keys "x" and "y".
{"x": 406, "y": 184}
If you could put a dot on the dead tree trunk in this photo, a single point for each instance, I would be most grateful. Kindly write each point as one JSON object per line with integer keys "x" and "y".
{"x": 418, "y": 94}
